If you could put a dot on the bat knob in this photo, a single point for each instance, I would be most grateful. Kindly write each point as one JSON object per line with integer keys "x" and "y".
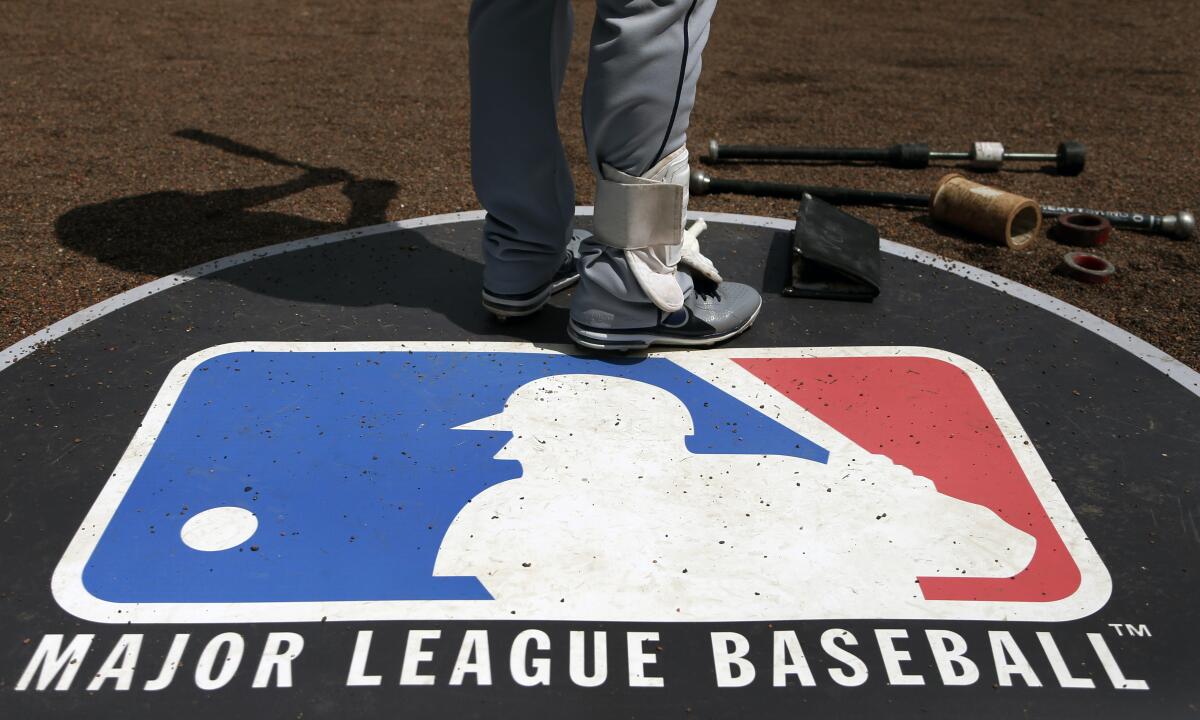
{"x": 1182, "y": 226}
{"x": 699, "y": 182}
{"x": 714, "y": 150}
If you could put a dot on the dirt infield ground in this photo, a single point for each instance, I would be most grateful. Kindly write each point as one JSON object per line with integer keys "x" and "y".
{"x": 114, "y": 170}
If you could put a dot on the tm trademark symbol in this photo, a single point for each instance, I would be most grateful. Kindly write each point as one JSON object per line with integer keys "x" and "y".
{"x": 1130, "y": 630}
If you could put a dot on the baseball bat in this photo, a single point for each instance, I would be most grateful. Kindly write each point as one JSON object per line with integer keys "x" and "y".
{"x": 702, "y": 183}
{"x": 1069, "y": 159}
{"x": 233, "y": 146}
{"x": 1181, "y": 225}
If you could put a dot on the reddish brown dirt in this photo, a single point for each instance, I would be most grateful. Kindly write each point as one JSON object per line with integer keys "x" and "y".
{"x": 100, "y": 194}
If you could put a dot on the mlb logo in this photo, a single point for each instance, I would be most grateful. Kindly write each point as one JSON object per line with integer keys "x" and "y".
{"x": 453, "y": 481}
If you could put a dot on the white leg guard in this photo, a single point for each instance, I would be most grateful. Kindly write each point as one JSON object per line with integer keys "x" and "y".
{"x": 643, "y": 216}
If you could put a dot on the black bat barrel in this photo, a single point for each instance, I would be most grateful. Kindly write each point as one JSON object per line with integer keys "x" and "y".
{"x": 702, "y": 184}
{"x": 904, "y": 155}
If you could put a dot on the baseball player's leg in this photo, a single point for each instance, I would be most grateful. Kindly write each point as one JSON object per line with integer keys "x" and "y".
{"x": 641, "y": 86}
{"x": 518, "y": 57}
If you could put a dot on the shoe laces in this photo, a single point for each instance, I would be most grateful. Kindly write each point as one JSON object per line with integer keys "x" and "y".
{"x": 705, "y": 288}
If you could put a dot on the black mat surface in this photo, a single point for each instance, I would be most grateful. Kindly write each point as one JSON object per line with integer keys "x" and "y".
{"x": 1120, "y": 439}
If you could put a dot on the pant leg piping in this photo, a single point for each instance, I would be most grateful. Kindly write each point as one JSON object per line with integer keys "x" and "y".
{"x": 678, "y": 88}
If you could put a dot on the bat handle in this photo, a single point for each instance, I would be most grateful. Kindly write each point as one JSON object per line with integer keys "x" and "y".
{"x": 1181, "y": 225}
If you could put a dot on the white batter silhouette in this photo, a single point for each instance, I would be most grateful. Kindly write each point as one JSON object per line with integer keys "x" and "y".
{"x": 613, "y": 517}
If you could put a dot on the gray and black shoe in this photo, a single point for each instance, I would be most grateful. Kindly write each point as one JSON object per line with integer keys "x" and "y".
{"x": 708, "y": 317}
{"x": 512, "y": 305}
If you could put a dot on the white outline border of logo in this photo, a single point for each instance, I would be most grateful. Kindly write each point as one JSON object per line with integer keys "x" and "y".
{"x": 714, "y": 366}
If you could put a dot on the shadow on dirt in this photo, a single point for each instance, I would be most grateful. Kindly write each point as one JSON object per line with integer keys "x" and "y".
{"x": 164, "y": 232}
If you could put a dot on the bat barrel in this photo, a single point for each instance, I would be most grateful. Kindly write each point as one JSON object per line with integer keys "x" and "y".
{"x": 790, "y": 152}
{"x": 907, "y": 155}
{"x": 702, "y": 184}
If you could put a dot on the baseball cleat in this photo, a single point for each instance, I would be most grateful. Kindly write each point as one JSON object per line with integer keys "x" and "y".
{"x": 706, "y": 318}
{"x": 513, "y": 305}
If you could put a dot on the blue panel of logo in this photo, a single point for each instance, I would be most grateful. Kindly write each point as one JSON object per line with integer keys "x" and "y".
{"x": 350, "y": 464}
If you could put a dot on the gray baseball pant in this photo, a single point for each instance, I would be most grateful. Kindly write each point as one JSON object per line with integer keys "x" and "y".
{"x": 641, "y": 84}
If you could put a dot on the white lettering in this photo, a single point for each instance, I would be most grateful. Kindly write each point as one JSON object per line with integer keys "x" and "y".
{"x": 474, "y": 656}
{"x": 1118, "y": 679}
{"x": 1061, "y": 672}
{"x": 47, "y": 662}
{"x": 893, "y": 657}
{"x": 358, "y": 662}
{"x": 729, "y": 651}
{"x": 517, "y": 659}
{"x": 1010, "y": 660}
{"x": 278, "y": 653}
{"x": 120, "y": 664}
{"x": 414, "y": 655}
{"x": 829, "y": 643}
{"x": 950, "y": 653}
{"x": 233, "y": 658}
{"x": 638, "y": 660}
{"x": 790, "y": 660}
{"x": 578, "y": 664}
{"x": 170, "y": 664}
{"x": 1121, "y": 629}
